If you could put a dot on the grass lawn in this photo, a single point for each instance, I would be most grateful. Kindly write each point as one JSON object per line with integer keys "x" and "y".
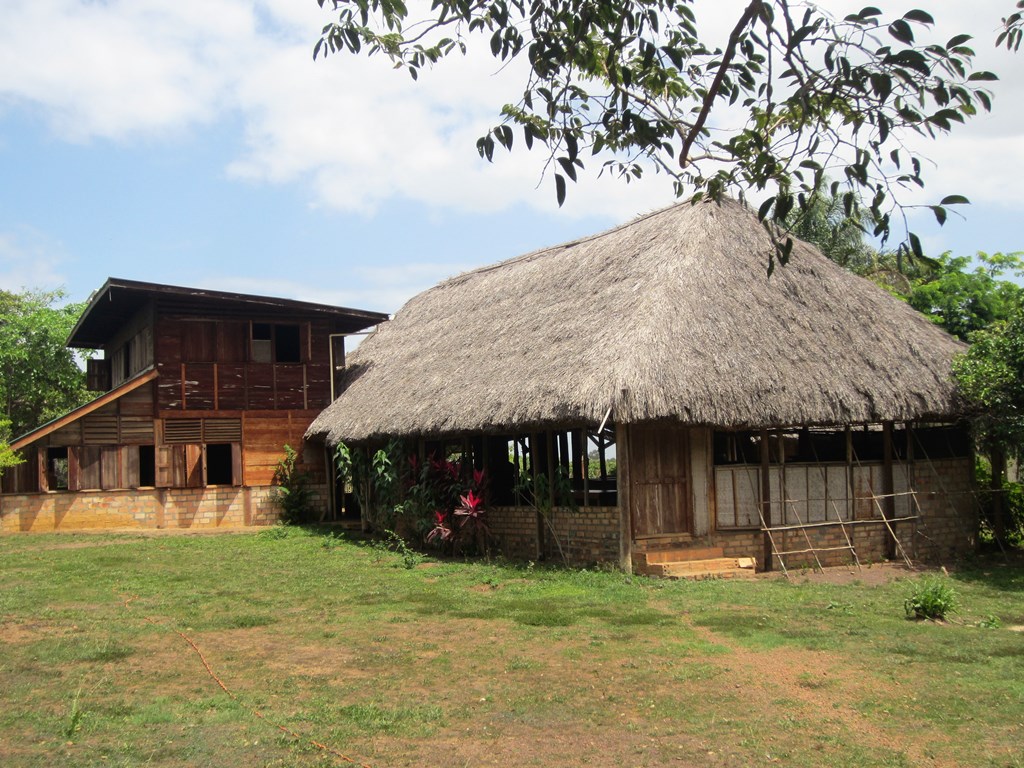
{"x": 467, "y": 664}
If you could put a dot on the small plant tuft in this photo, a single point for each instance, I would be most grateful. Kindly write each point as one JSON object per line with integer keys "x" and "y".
{"x": 392, "y": 542}
{"x": 932, "y": 598}
{"x": 75, "y": 714}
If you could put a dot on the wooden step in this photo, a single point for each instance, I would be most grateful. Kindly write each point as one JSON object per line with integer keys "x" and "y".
{"x": 679, "y": 555}
{"x": 711, "y": 568}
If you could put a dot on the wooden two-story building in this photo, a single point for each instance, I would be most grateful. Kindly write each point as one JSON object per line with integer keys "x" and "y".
{"x": 201, "y": 390}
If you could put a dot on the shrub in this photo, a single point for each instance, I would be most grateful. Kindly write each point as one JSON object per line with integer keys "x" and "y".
{"x": 293, "y": 492}
{"x": 932, "y": 598}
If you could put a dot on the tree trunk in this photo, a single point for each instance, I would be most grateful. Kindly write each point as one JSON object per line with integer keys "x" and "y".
{"x": 998, "y": 458}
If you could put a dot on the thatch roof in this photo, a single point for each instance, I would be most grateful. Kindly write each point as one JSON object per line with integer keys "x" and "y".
{"x": 671, "y": 316}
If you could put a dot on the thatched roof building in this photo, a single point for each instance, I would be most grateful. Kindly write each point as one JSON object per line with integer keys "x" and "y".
{"x": 669, "y": 317}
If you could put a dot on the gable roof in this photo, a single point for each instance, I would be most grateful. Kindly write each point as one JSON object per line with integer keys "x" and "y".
{"x": 669, "y": 317}
{"x": 118, "y": 300}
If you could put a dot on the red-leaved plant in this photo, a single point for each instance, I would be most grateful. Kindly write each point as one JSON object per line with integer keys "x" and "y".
{"x": 442, "y": 532}
{"x": 472, "y": 520}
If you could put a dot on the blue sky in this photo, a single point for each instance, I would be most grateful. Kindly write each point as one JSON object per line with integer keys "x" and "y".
{"x": 195, "y": 142}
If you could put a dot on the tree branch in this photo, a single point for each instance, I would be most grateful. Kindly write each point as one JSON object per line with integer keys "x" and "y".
{"x": 712, "y": 93}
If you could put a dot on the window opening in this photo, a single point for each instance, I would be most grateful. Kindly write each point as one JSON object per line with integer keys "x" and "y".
{"x": 287, "y": 344}
{"x": 218, "y": 464}
{"x": 147, "y": 466}
{"x": 57, "y": 468}
{"x": 262, "y": 343}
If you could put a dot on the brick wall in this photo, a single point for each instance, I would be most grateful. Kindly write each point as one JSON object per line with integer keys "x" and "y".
{"x": 582, "y": 536}
{"x": 151, "y": 508}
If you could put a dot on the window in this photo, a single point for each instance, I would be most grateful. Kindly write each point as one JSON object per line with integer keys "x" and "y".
{"x": 276, "y": 343}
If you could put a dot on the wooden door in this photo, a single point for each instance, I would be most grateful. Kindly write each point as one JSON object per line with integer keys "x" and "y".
{"x": 659, "y": 484}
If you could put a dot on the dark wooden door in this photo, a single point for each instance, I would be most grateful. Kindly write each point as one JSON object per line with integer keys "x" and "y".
{"x": 659, "y": 472}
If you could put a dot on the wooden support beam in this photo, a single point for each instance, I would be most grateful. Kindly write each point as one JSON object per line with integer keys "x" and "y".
{"x": 622, "y": 473}
{"x": 889, "y": 501}
{"x": 766, "y": 498}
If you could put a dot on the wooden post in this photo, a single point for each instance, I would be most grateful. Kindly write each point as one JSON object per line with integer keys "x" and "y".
{"x": 766, "y": 498}
{"x": 888, "y": 486}
{"x": 585, "y": 438}
{"x": 622, "y": 472}
{"x": 539, "y": 521}
{"x": 331, "y": 511}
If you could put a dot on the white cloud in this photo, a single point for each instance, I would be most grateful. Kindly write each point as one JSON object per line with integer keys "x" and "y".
{"x": 384, "y": 289}
{"x": 357, "y": 133}
{"x": 28, "y": 260}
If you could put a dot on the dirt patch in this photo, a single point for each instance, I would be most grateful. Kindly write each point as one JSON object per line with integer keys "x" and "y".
{"x": 826, "y": 691}
{"x": 869, "y": 575}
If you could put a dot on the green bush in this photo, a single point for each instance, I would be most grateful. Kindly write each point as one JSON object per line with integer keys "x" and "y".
{"x": 1013, "y": 501}
{"x": 932, "y": 598}
{"x": 294, "y": 495}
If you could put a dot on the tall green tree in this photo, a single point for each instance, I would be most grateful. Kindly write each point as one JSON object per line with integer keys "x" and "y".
{"x": 990, "y": 376}
{"x": 39, "y": 376}
{"x": 838, "y": 234}
{"x": 634, "y": 84}
{"x": 964, "y": 300}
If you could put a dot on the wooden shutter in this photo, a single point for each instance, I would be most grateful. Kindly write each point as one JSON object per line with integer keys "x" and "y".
{"x": 194, "y": 469}
{"x": 42, "y": 456}
{"x": 97, "y": 375}
{"x": 236, "y": 464}
{"x": 110, "y": 468}
{"x": 89, "y": 465}
{"x": 74, "y": 474}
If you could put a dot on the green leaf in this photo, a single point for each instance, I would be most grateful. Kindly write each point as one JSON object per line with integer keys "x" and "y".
{"x": 901, "y": 31}
{"x": 568, "y": 167}
{"x": 955, "y": 200}
{"x": 919, "y": 16}
{"x": 559, "y": 189}
{"x": 915, "y": 245}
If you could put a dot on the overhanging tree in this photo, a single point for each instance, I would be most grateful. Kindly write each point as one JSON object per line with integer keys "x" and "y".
{"x": 633, "y": 84}
{"x": 39, "y": 376}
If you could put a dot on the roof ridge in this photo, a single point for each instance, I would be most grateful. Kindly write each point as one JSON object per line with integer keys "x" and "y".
{"x": 540, "y": 252}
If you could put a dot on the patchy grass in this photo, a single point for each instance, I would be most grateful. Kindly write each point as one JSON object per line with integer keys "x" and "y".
{"x": 483, "y": 663}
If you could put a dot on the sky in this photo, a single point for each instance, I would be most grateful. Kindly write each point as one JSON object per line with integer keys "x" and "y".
{"x": 197, "y": 143}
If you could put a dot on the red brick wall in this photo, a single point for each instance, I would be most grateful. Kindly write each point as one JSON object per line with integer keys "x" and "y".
{"x": 581, "y": 537}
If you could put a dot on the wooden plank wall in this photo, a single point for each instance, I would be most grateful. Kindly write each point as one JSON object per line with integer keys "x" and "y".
{"x": 264, "y": 440}
{"x": 814, "y": 493}
{"x": 203, "y": 366}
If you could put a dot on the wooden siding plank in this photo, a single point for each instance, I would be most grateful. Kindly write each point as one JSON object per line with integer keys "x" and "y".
{"x": 199, "y": 386}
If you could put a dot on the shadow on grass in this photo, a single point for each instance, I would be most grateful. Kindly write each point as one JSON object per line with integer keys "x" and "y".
{"x": 996, "y": 570}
